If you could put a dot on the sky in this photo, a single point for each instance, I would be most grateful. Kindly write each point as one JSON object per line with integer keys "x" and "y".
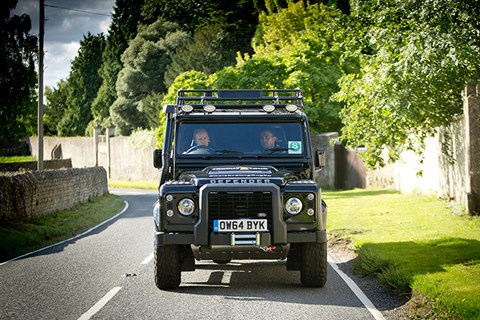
{"x": 64, "y": 29}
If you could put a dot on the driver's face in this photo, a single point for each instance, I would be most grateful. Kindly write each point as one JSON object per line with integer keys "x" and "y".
{"x": 202, "y": 138}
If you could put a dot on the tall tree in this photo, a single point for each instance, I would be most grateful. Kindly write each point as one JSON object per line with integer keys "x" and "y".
{"x": 208, "y": 53}
{"x": 308, "y": 41}
{"x": 188, "y": 14}
{"x": 82, "y": 85}
{"x": 125, "y": 21}
{"x": 55, "y": 107}
{"x": 228, "y": 25}
{"x": 141, "y": 79}
{"x": 17, "y": 75}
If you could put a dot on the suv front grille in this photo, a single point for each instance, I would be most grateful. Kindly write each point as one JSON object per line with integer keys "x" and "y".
{"x": 240, "y": 205}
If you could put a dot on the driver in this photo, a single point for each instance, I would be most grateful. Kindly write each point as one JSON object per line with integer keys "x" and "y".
{"x": 201, "y": 137}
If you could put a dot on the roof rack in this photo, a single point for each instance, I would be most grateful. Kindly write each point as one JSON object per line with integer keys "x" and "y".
{"x": 239, "y": 98}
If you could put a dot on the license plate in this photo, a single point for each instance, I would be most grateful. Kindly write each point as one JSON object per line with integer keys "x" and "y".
{"x": 240, "y": 225}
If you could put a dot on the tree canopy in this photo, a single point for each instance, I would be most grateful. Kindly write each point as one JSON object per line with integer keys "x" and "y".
{"x": 69, "y": 107}
{"x": 18, "y": 78}
{"x": 141, "y": 79}
{"x": 382, "y": 73}
{"x": 415, "y": 59}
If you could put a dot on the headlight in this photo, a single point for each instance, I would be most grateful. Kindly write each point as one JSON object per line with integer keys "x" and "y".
{"x": 186, "y": 206}
{"x": 293, "y": 205}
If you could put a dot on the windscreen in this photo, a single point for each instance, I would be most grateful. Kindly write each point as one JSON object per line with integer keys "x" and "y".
{"x": 256, "y": 138}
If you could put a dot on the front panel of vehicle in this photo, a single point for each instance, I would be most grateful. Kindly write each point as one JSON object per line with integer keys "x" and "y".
{"x": 290, "y": 211}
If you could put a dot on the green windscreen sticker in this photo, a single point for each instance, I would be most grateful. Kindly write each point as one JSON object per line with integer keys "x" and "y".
{"x": 294, "y": 147}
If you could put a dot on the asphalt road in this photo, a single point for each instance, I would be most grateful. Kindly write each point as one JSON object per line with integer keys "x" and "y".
{"x": 108, "y": 274}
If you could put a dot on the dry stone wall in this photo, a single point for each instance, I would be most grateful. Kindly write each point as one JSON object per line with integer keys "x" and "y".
{"x": 25, "y": 195}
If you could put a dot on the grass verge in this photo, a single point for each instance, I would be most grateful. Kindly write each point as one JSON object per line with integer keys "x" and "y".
{"x": 20, "y": 238}
{"x": 133, "y": 185}
{"x": 17, "y": 159}
{"x": 418, "y": 245}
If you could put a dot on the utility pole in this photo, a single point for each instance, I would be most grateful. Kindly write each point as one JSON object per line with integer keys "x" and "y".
{"x": 41, "y": 28}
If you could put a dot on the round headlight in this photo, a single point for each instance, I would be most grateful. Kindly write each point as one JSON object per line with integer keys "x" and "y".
{"x": 186, "y": 206}
{"x": 293, "y": 205}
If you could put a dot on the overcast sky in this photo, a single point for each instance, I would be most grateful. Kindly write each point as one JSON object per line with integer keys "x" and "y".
{"x": 64, "y": 29}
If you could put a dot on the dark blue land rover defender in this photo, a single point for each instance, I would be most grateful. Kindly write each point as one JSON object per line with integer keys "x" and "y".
{"x": 237, "y": 181}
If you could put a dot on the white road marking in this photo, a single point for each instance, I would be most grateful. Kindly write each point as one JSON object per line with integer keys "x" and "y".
{"x": 100, "y": 304}
{"x": 148, "y": 259}
{"x": 227, "y": 275}
{"x": 357, "y": 291}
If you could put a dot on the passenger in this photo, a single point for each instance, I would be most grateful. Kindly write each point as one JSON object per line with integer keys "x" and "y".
{"x": 268, "y": 140}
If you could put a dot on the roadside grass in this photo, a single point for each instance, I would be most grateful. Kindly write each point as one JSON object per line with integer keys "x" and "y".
{"x": 17, "y": 159}
{"x": 20, "y": 238}
{"x": 421, "y": 246}
{"x": 133, "y": 185}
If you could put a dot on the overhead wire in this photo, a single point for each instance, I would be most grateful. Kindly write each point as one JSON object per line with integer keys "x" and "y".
{"x": 78, "y": 10}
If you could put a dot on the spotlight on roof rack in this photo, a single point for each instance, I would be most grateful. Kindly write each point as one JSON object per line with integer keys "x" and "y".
{"x": 187, "y": 108}
{"x": 268, "y": 108}
{"x": 291, "y": 107}
{"x": 209, "y": 108}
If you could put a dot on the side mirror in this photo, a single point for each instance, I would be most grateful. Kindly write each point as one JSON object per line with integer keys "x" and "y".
{"x": 320, "y": 159}
{"x": 157, "y": 158}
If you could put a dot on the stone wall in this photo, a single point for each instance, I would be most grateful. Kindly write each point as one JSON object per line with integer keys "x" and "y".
{"x": 25, "y": 195}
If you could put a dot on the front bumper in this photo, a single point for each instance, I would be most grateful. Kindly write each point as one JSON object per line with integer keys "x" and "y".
{"x": 224, "y": 239}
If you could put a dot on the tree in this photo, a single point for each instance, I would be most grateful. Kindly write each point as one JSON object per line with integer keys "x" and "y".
{"x": 125, "y": 21}
{"x": 17, "y": 75}
{"x": 145, "y": 62}
{"x": 207, "y": 52}
{"x": 308, "y": 41}
{"x": 82, "y": 86}
{"x": 55, "y": 107}
{"x": 251, "y": 73}
{"x": 220, "y": 29}
{"x": 413, "y": 66}
{"x": 186, "y": 13}
{"x": 294, "y": 50}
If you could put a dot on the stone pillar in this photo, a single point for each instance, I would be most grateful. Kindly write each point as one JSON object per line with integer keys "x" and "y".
{"x": 96, "y": 133}
{"x": 110, "y": 133}
{"x": 326, "y": 176}
{"x": 472, "y": 135}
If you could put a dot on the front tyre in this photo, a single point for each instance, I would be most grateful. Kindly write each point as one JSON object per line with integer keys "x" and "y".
{"x": 313, "y": 270}
{"x": 167, "y": 266}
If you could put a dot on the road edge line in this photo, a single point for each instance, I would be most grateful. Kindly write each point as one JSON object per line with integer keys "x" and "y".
{"x": 356, "y": 290}
{"x": 70, "y": 239}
